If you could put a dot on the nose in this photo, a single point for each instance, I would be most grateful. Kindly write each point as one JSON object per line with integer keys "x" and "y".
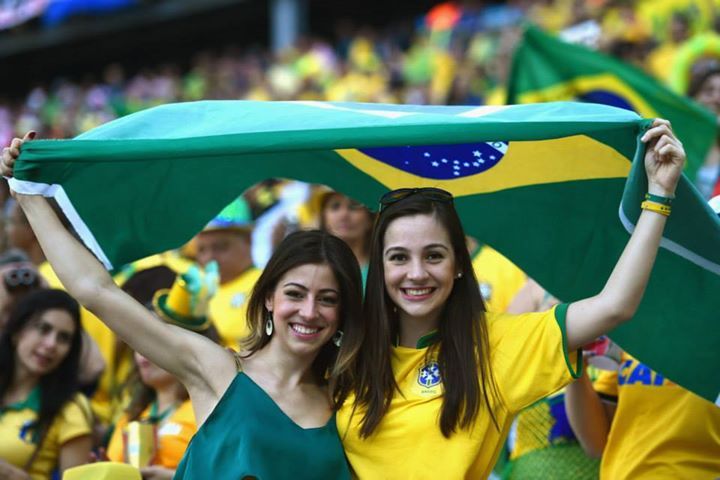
{"x": 50, "y": 341}
{"x": 308, "y": 309}
{"x": 417, "y": 271}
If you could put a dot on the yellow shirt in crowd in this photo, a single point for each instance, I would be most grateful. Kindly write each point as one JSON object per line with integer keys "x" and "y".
{"x": 498, "y": 278}
{"x": 103, "y": 401}
{"x": 16, "y": 442}
{"x": 660, "y": 430}
{"x": 228, "y": 308}
{"x": 529, "y": 361}
{"x": 173, "y": 436}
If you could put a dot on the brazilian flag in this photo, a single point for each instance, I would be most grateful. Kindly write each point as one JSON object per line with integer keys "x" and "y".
{"x": 546, "y": 69}
{"x": 555, "y": 187}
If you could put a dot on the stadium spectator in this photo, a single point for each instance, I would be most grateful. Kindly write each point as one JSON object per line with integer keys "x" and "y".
{"x": 705, "y": 88}
{"x": 227, "y": 240}
{"x": 350, "y": 221}
{"x": 45, "y": 423}
{"x": 431, "y": 373}
{"x": 157, "y": 398}
{"x": 306, "y": 329}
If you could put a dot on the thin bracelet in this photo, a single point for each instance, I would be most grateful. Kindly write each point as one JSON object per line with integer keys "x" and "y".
{"x": 659, "y": 199}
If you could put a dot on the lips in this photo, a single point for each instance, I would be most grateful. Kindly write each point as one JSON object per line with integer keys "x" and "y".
{"x": 42, "y": 360}
{"x": 304, "y": 331}
{"x": 417, "y": 293}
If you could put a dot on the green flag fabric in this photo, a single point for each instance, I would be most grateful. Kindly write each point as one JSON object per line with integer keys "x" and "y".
{"x": 555, "y": 187}
{"x": 546, "y": 69}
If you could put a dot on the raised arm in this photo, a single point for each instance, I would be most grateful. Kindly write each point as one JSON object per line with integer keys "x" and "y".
{"x": 589, "y": 318}
{"x": 197, "y": 362}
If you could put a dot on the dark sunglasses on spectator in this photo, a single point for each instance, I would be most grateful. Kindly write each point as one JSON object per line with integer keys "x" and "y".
{"x": 430, "y": 193}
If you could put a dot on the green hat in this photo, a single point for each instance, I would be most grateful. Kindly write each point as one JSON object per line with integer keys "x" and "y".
{"x": 236, "y": 216}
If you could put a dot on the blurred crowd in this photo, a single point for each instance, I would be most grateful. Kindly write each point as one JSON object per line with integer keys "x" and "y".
{"x": 459, "y": 53}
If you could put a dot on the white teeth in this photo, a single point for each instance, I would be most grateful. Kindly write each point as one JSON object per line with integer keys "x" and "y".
{"x": 303, "y": 329}
{"x": 418, "y": 291}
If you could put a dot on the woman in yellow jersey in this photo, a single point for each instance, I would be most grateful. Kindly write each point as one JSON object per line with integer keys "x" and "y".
{"x": 643, "y": 425}
{"x": 438, "y": 379}
{"x": 45, "y": 423}
{"x": 268, "y": 412}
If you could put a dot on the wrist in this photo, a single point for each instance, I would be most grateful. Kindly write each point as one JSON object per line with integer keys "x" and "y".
{"x": 661, "y": 191}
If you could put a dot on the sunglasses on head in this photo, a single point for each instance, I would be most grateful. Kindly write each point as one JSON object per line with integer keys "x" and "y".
{"x": 430, "y": 193}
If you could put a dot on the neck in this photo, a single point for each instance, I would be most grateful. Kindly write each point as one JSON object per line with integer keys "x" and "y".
{"x": 229, "y": 278}
{"x": 283, "y": 368}
{"x": 358, "y": 248}
{"x": 22, "y": 385}
{"x": 413, "y": 329}
{"x": 166, "y": 396}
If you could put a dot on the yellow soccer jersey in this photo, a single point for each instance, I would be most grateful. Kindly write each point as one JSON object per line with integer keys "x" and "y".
{"x": 16, "y": 442}
{"x": 498, "y": 278}
{"x": 529, "y": 361}
{"x": 228, "y": 308}
{"x": 173, "y": 436}
{"x": 103, "y": 402}
{"x": 660, "y": 430}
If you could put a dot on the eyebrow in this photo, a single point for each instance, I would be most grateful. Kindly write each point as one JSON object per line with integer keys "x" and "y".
{"x": 426, "y": 247}
{"x": 303, "y": 287}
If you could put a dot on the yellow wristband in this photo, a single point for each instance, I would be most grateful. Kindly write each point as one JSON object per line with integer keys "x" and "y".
{"x": 656, "y": 207}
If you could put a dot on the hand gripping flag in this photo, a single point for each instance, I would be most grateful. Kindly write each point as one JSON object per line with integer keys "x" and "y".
{"x": 555, "y": 187}
{"x": 546, "y": 69}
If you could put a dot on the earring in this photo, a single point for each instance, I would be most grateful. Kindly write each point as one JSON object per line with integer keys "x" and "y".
{"x": 458, "y": 276}
{"x": 337, "y": 338}
{"x": 269, "y": 324}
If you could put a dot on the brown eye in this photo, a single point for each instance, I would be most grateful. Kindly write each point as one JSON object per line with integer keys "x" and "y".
{"x": 43, "y": 328}
{"x": 64, "y": 338}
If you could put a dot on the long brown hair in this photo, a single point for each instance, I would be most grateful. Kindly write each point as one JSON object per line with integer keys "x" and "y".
{"x": 463, "y": 351}
{"x": 332, "y": 364}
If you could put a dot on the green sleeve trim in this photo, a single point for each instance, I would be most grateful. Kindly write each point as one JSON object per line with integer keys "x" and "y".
{"x": 560, "y": 317}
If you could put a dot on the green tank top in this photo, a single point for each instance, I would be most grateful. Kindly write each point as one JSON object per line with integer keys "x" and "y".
{"x": 248, "y": 436}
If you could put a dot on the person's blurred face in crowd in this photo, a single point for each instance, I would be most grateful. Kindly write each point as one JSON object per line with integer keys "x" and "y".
{"x": 345, "y": 218}
{"x": 709, "y": 93}
{"x": 152, "y": 375}
{"x": 44, "y": 342}
{"x": 229, "y": 248}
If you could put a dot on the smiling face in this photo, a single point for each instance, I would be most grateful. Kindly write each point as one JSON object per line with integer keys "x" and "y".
{"x": 306, "y": 308}
{"x": 45, "y": 341}
{"x": 419, "y": 265}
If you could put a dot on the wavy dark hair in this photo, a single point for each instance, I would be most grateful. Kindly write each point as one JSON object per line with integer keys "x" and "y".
{"x": 314, "y": 247}
{"x": 463, "y": 352}
{"x": 59, "y": 386}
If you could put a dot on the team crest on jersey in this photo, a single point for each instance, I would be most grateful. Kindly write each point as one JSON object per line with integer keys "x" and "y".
{"x": 429, "y": 375}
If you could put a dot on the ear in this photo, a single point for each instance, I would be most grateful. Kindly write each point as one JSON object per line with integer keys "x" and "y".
{"x": 269, "y": 303}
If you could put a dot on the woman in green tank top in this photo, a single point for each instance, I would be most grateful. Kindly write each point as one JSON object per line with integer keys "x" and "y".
{"x": 269, "y": 411}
